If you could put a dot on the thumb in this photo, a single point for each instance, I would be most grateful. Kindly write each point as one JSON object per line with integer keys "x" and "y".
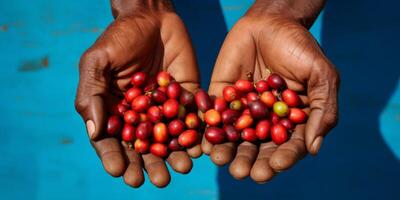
{"x": 92, "y": 88}
{"x": 323, "y": 87}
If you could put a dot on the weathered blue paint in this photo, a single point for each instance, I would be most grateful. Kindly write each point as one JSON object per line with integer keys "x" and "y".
{"x": 46, "y": 154}
{"x": 389, "y": 122}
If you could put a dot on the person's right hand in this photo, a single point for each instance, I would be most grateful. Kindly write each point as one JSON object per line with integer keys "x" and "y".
{"x": 144, "y": 37}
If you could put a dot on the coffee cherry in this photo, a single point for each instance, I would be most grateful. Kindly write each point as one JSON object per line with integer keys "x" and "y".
{"x": 244, "y": 101}
{"x": 243, "y": 122}
{"x": 261, "y": 86}
{"x": 212, "y": 117}
{"x": 230, "y": 93}
{"x": 176, "y": 127}
{"x": 141, "y": 146}
{"x": 120, "y": 109}
{"x": 236, "y": 105}
{"x": 188, "y": 138}
{"x": 128, "y": 133}
{"x": 141, "y": 103}
{"x": 181, "y": 112}
{"x": 163, "y": 78}
{"x": 170, "y": 108}
{"x": 268, "y": 98}
{"x": 276, "y": 82}
{"x": 246, "y": 112}
{"x": 173, "y": 145}
{"x": 144, "y": 130}
{"x": 252, "y": 96}
{"x": 291, "y": 98}
{"x": 231, "y": 133}
{"x": 154, "y": 113}
{"x": 278, "y": 134}
{"x": 174, "y": 90}
{"x": 274, "y": 118}
{"x": 244, "y": 86}
{"x": 159, "y": 149}
{"x": 230, "y": 116}
{"x": 249, "y": 135}
{"x": 203, "y": 101}
{"x": 160, "y": 132}
{"x": 215, "y": 135}
{"x": 297, "y": 116}
{"x": 192, "y": 121}
{"x": 280, "y": 108}
{"x": 262, "y": 129}
{"x": 143, "y": 117}
{"x": 132, "y": 93}
{"x": 131, "y": 117}
{"x": 163, "y": 89}
{"x": 158, "y": 96}
{"x": 287, "y": 124}
{"x": 258, "y": 109}
{"x": 114, "y": 125}
{"x": 151, "y": 84}
{"x": 138, "y": 79}
{"x": 186, "y": 98}
{"x": 220, "y": 104}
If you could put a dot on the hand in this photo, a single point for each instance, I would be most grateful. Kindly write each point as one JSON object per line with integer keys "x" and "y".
{"x": 267, "y": 38}
{"x": 141, "y": 39}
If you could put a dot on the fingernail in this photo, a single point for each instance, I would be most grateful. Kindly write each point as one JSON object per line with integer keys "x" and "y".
{"x": 90, "y": 128}
{"x": 316, "y": 145}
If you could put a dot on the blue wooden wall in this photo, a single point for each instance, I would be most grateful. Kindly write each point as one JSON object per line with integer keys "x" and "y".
{"x": 45, "y": 154}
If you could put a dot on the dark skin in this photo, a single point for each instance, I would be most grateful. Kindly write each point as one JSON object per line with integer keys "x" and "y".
{"x": 148, "y": 36}
{"x": 274, "y": 34}
{"x": 145, "y": 36}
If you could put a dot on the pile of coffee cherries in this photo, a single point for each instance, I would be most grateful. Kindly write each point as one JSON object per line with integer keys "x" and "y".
{"x": 260, "y": 112}
{"x": 156, "y": 115}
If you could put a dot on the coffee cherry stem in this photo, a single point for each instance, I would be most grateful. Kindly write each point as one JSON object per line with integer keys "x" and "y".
{"x": 250, "y": 76}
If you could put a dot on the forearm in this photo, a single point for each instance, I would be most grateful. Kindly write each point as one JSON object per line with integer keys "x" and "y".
{"x": 129, "y": 7}
{"x": 303, "y": 11}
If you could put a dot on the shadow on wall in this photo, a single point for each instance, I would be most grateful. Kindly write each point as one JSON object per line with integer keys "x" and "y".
{"x": 360, "y": 37}
{"x": 206, "y": 25}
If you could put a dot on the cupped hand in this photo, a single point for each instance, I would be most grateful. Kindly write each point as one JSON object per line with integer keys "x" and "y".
{"x": 149, "y": 41}
{"x": 260, "y": 43}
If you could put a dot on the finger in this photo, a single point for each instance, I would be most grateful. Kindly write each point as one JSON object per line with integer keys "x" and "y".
{"x": 222, "y": 154}
{"x": 287, "y": 154}
{"x": 206, "y": 146}
{"x": 180, "y": 162}
{"x": 157, "y": 170}
{"x": 244, "y": 160}
{"x": 232, "y": 63}
{"x": 179, "y": 58}
{"x": 92, "y": 87}
{"x": 195, "y": 151}
{"x": 322, "y": 91}
{"x": 133, "y": 175}
{"x": 261, "y": 171}
{"x": 110, "y": 153}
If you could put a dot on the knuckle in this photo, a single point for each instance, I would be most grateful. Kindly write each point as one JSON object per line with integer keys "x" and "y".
{"x": 80, "y": 105}
{"x": 93, "y": 58}
{"x": 331, "y": 119}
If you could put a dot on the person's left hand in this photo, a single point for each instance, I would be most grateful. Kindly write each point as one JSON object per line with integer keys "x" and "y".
{"x": 283, "y": 45}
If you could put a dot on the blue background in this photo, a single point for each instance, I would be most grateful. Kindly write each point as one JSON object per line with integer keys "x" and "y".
{"x": 45, "y": 152}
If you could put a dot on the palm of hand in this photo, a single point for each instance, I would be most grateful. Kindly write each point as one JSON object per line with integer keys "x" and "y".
{"x": 131, "y": 44}
{"x": 286, "y": 48}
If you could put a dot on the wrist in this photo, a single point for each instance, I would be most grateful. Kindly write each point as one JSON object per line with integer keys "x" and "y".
{"x": 302, "y": 11}
{"x": 122, "y": 8}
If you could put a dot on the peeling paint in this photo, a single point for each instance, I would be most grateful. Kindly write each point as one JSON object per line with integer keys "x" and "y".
{"x": 34, "y": 65}
{"x": 3, "y": 28}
